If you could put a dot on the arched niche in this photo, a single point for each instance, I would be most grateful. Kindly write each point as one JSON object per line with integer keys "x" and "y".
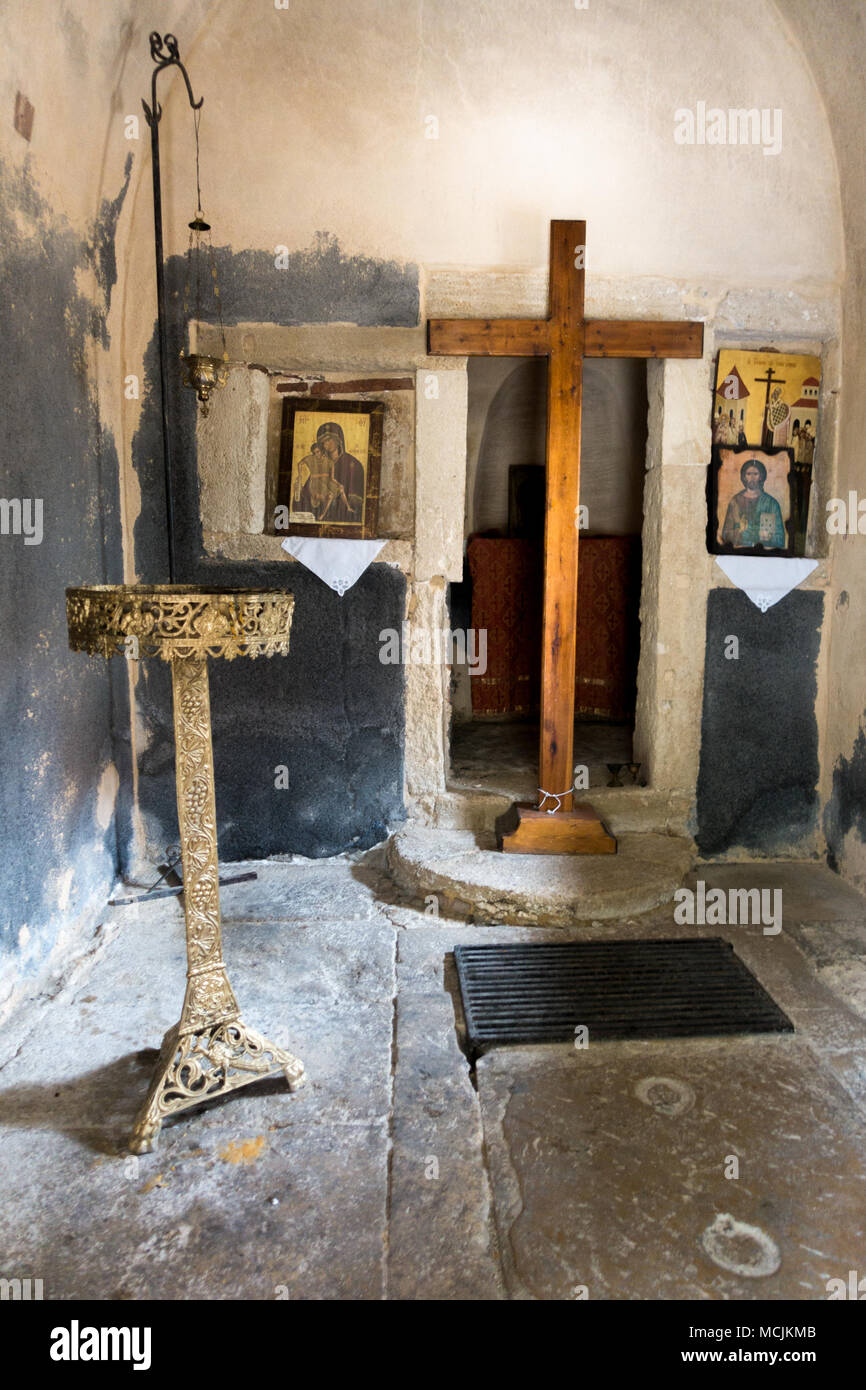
{"x": 613, "y": 442}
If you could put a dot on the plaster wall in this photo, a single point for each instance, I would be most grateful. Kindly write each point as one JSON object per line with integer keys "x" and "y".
{"x": 539, "y": 110}
{"x": 833, "y": 38}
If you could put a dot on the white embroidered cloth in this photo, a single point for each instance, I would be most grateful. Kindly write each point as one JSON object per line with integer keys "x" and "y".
{"x": 338, "y": 563}
{"x": 765, "y": 579}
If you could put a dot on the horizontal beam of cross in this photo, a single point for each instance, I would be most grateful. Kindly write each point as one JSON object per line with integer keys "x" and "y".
{"x": 532, "y": 338}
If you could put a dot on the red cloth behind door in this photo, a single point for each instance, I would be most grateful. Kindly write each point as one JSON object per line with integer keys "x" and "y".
{"x": 506, "y": 601}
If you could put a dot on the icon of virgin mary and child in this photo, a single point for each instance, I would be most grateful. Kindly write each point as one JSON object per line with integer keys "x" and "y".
{"x": 329, "y": 482}
{"x": 753, "y": 518}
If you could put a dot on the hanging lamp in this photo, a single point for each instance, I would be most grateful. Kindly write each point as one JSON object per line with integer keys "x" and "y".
{"x": 200, "y": 371}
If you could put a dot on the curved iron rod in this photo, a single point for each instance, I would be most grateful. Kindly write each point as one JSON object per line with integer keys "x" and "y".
{"x": 164, "y": 52}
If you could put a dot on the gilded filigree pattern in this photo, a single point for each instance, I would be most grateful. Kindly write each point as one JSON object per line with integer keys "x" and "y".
{"x": 210, "y": 1050}
{"x": 194, "y": 1067}
{"x": 178, "y": 621}
{"x": 196, "y": 808}
{"x": 209, "y": 997}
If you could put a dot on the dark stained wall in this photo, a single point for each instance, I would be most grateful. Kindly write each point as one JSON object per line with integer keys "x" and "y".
{"x": 58, "y": 845}
{"x": 758, "y": 779}
{"x": 846, "y": 809}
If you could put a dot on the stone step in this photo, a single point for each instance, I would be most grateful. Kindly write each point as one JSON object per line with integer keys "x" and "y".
{"x": 466, "y": 871}
{"x": 624, "y": 810}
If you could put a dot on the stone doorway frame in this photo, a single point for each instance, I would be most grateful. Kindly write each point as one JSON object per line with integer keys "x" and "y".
{"x": 673, "y": 612}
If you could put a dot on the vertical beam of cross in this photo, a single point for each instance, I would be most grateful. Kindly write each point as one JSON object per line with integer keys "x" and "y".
{"x": 564, "y": 406}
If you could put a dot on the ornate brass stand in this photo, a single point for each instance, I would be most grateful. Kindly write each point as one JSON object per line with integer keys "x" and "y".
{"x": 211, "y": 1050}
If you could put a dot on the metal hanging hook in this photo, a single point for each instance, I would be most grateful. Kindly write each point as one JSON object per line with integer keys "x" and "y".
{"x": 165, "y": 54}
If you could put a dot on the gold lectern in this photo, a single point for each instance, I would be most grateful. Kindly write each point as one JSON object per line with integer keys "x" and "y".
{"x": 211, "y": 1050}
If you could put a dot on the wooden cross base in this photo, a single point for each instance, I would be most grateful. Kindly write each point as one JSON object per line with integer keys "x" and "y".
{"x": 525, "y": 830}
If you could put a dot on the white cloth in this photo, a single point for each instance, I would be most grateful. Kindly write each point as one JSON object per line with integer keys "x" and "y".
{"x": 338, "y": 563}
{"x": 765, "y": 579}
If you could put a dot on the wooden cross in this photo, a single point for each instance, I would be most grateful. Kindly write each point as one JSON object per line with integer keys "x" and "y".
{"x": 565, "y": 338}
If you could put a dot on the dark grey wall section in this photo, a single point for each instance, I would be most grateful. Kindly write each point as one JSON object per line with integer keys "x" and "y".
{"x": 330, "y": 712}
{"x": 757, "y": 786}
{"x": 55, "y": 705}
{"x": 317, "y": 285}
{"x": 846, "y": 809}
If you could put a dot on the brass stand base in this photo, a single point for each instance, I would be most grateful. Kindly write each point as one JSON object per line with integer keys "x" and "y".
{"x": 526, "y": 830}
{"x": 196, "y": 1066}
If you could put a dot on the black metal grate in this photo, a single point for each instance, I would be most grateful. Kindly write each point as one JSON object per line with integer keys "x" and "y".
{"x": 669, "y": 988}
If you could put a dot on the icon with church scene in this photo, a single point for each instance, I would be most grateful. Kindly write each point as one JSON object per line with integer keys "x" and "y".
{"x": 327, "y": 481}
{"x": 752, "y": 502}
{"x": 767, "y": 401}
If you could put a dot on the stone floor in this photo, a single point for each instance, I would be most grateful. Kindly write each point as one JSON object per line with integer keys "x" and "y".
{"x": 547, "y": 1173}
{"x": 501, "y": 755}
